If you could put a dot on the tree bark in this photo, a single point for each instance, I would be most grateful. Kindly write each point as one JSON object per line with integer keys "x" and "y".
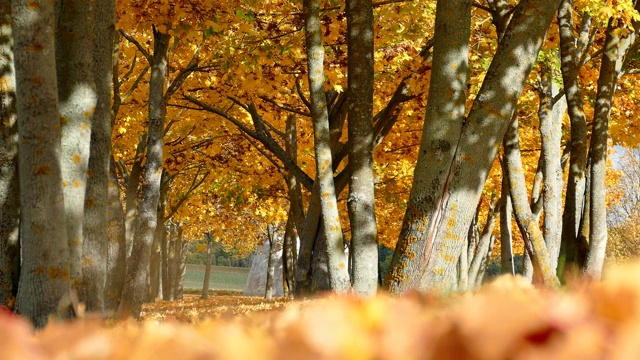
{"x": 361, "y": 202}
{"x": 307, "y": 240}
{"x": 138, "y": 264}
{"x": 77, "y": 99}
{"x": 615, "y": 50}
{"x": 506, "y": 232}
{"x": 484, "y": 245}
{"x": 296, "y": 220}
{"x": 9, "y": 181}
{"x": 550, "y": 116}
{"x": 117, "y": 248}
{"x": 463, "y": 267}
{"x": 155, "y": 261}
{"x": 440, "y": 136}
{"x": 527, "y": 221}
{"x": 131, "y": 191}
{"x": 165, "y": 280}
{"x": 44, "y": 278}
{"x": 337, "y": 266}
{"x": 484, "y": 262}
{"x": 96, "y": 219}
{"x": 289, "y": 254}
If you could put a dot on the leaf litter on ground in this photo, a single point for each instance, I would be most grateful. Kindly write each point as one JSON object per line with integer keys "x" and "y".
{"x": 506, "y": 319}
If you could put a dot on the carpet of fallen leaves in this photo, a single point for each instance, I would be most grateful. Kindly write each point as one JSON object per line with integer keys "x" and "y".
{"x": 507, "y": 319}
{"x": 221, "y": 304}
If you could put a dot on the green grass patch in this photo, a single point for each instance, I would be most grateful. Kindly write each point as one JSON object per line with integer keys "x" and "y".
{"x": 222, "y": 278}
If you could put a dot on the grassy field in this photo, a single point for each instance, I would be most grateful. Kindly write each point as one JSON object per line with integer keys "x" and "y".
{"x": 222, "y": 278}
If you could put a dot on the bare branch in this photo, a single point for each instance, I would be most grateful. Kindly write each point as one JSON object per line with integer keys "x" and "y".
{"x": 137, "y": 45}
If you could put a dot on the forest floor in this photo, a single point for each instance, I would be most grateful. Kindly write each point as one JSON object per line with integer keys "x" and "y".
{"x": 506, "y": 319}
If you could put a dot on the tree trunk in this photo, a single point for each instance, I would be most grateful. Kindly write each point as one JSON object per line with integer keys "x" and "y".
{"x": 440, "y": 136}
{"x": 158, "y": 234}
{"x": 131, "y": 191}
{"x": 485, "y": 261}
{"x": 289, "y": 254}
{"x": 570, "y": 54}
{"x": 550, "y": 116}
{"x": 307, "y": 243}
{"x": 440, "y": 223}
{"x": 9, "y": 182}
{"x": 271, "y": 263}
{"x": 171, "y": 264}
{"x": 207, "y": 268}
{"x": 337, "y": 266}
{"x": 117, "y": 249}
{"x": 615, "y": 50}
{"x": 96, "y": 219}
{"x": 44, "y": 278}
{"x": 527, "y": 221}
{"x": 77, "y": 99}
{"x": 506, "y": 232}
{"x": 581, "y": 246}
{"x": 164, "y": 264}
{"x": 484, "y": 245}
{"x": 319, "y": 265}
{"x": 296, "y": 220}
{"x": 138, "y": 265}
{"x": 361, "y": 202}
{"x": 463, "y": 267}
{"x": 180, "y": 264}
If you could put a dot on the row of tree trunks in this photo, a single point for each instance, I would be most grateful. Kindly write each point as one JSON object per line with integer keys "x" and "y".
{"x": 9, "y": 182}
{"x": 433, "y": 233}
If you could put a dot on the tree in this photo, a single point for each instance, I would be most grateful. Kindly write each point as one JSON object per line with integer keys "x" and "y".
{"x": 138, "y": 263}
{"x": 430, "y": 243}
{"x": 337, "y": 267}
{"x": 77, "y": 99}
{"x": 615, "y": 48}
{"x": 44, "y": 278}
{"x": 9, "y": 182}
{"x": 96, "y": 218}
{"x": 207, "y": 270}
{"x": 448, "y": 86}
{"x": 361, "y": 202}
